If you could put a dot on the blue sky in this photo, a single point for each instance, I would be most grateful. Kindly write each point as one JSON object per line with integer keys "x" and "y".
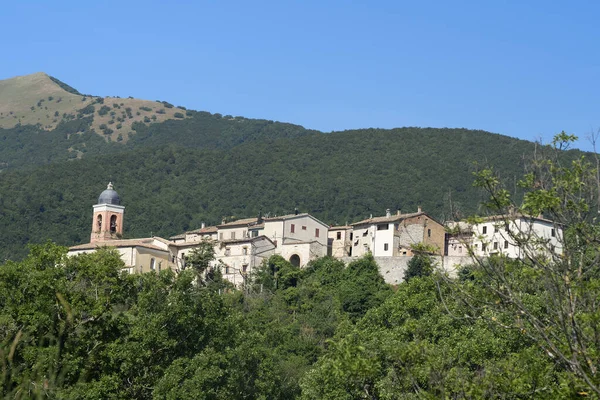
{"x": 526, "y": 69}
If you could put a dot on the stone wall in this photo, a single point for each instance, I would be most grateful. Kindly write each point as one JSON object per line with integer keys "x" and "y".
{"x": 392, "y": 268}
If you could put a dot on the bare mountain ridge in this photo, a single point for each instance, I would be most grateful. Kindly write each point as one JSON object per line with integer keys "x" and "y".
{"x": 41, "y": 100}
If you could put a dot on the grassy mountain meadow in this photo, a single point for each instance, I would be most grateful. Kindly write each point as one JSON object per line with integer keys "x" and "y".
{"x": 185, "y": 167}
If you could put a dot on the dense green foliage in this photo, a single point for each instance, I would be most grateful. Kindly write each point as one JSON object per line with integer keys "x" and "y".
{"x": 167, "y": 189}
{"x": 77, "y": 328}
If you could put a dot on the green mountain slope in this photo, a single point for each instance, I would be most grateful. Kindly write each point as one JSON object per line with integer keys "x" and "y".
{"x": 174, "y": 173}
{"x": 338, "y": 177}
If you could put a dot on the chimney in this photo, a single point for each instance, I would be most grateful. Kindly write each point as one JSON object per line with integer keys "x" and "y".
{"x": 419, "y": 209}
{"x": 223, "y": 221}
{"x": 295, "y": 210}
{"x": 388, "y": 213}
{"x": 202, "y": 225}
{"x": 398, "y": 213}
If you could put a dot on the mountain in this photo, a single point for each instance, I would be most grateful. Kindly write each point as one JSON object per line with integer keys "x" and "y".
{"x": 42, "y": 100}
{"x": 43, "y": 120}
{"x": 175, "y": 174}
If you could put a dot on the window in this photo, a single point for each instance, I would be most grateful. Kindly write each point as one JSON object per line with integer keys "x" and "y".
{"x": 495, "y": 245}
{"x": 339, "y": 236}
{"x": 428, "y": 232}
{"x": 317, "y": 232}
{"x": 404, "y": 253}
{"x": 221, "y": 236}
{"x": 244, "y": 251}
{"x": 351, "y": 235}
{"x": 506, "y": 244}
{"x": 365, "y": 233}
{"x": 244, "y": 268}
{"x": 385, "y": 247}
{"x": 483, "y": 246}
{"x": 292, "y": 228}
{"x": 382, "y": 227}
{"x": 495, "y": 228}
{"x": 113, "y": 223}
{"x": 254, "y": 233}
{"x": 303, "y": 227}
{"x": 226, "y": 269}
{"x": 233, "y": 235}
{"x": 553, "y": 232}
{"x": 99, "y": 222}
{"x": 484, "y": 230}
{"x": 152, "y": 264}
{"x": 460, "y": 249}
{"x": 227, "y": 251}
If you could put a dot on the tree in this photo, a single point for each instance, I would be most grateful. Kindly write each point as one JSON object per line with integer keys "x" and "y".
{"x": 550, "y": 295}
{"x": 200, "y": 258}
{"x": 421, "y": 264}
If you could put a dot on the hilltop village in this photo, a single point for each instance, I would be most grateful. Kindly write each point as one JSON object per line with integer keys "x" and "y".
{"x": 241, "y": 245}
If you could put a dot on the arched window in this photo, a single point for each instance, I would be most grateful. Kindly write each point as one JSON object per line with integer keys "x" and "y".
{"x": 99, "y": 222}
{"x": 295, "y": 260}
{"x": 113, "y": 223}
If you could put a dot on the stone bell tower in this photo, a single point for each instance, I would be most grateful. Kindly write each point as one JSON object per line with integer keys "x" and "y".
{"x": 107, "y": 223}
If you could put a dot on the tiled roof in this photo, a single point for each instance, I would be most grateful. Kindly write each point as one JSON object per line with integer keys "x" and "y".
{"x": 206, "y": 229}
{"x": 339, "y": 228}
{"x": 288, "y": 216}
{"x": 391, "y": 218}
{"x": 146, "y": 242}
{"x": 239, "y": 222}
{"x": 504, "y": 217}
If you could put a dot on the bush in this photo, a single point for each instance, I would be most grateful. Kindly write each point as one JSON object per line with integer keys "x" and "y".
{"x": 144, "y": 108}
{"x": 103, "y": 110}
{"x": 89, "y": 109}
{"x": 161, "y": 111}
{"x": 419, "y": 265}
{"x": 178, "y": 115}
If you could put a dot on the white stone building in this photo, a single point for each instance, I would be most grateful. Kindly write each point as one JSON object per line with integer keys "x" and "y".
{"x": 514, "y": 236}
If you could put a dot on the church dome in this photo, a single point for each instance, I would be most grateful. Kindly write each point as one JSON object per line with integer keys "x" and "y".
{"x": 109, "y": 196}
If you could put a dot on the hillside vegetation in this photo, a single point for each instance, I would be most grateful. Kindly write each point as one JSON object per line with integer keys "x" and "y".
{"x": 46, "y": 102}
{"x": 175, "y": 174}
{"x": 339, "y": 177}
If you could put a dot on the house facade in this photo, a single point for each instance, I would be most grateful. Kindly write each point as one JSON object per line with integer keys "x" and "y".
{"x": 340, "y": 241}
{"x": 516, "y": 236}
{"x": 395, "y": 235}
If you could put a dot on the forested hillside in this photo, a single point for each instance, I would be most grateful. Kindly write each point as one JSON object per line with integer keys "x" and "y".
{"x": 175, "y": 174}
{"x": 338, "y": 177}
